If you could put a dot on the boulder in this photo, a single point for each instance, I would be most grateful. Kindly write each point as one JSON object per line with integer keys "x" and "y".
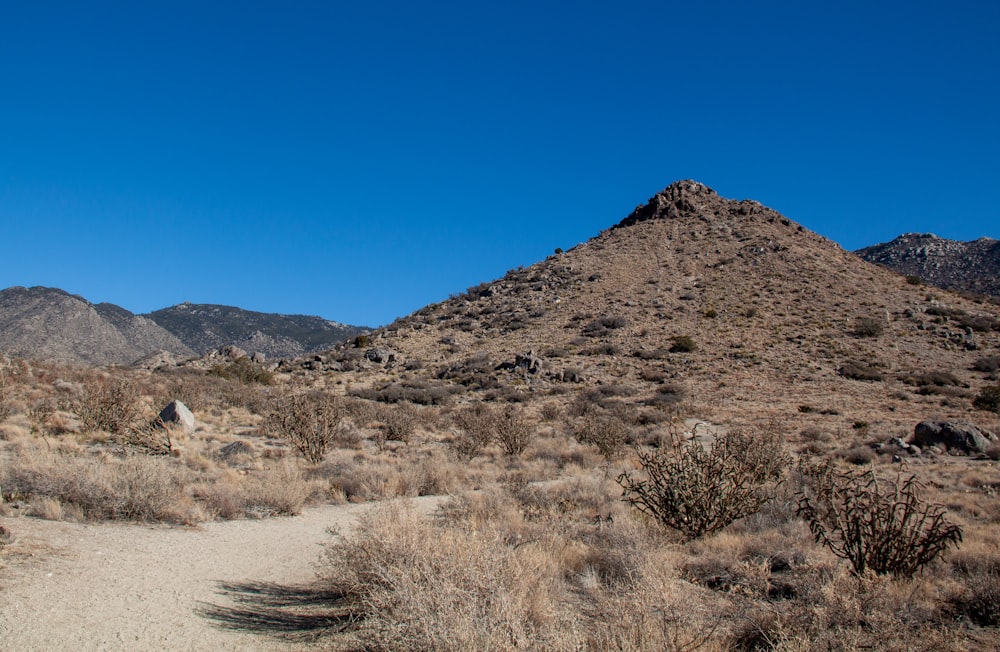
{"x": 176, "y": 413}
{"x": 964, "y": 438}
{"x": 381, "y": 356}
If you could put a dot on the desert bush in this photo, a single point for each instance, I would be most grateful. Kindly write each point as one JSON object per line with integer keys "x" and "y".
{"x": 137, "y": 488}
{"x": 987, "y": 364}
{"x": 988, "y": 398}
{"x": 913, "y": 279}
{"x": 856, "y": 371}
{"x": 608, "y": 432}
{"x": 512, "y": 430}
{"x": 697, "y": 490}
{"x": 416, "y": 585}
{"x": 603, "y": 325}
{"x": 980, "y": 599}
{"x": 308, "y": 421}
{"x": 419, "y": 392}
{"x": 877, "y": 525}
{"x": 397, "y": 421}
{"x": 683, "y": 344}
{"x": 475, "y": 430}
{"x": 868, "y": 327}
{"x": 280, "y": 490}
{"x": 482, "y": 424}
{"x": 109, "y": 405}
{"x": 244, "y": 370}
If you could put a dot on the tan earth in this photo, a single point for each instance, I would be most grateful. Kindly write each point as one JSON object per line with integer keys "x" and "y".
{"x": 233, "y": 585}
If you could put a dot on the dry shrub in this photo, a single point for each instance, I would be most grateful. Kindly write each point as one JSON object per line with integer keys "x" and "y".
{"x": 110, "y": 405}
{"x": 309, "y": 422}
{"x": 608, "y": 432}
{"x": 137, "y": 488}
{"x": 878, "y": 525}
{"x": 417, "y": 585}
{"x": 273, "y": 491}
{"x": 361, "y": 478}
{"x": 696, "y": 490}
{"x": 397, "y": 422}
{"x": 475, "y": 430}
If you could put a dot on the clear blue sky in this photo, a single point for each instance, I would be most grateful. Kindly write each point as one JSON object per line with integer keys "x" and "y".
{"x": 358, "y": 160}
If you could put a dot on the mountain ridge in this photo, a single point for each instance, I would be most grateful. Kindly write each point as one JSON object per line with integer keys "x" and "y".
{"x": 52, "y": 324}
{"x": 970, "y": 266}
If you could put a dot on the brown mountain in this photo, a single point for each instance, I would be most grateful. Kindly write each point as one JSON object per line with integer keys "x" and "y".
{"x": 961, "y": 266}
{"x": 783, "y": 324}
{"x": 50, "y": 324}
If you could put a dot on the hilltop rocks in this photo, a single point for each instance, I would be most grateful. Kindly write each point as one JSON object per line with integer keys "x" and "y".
{"x": 964, "y": 438}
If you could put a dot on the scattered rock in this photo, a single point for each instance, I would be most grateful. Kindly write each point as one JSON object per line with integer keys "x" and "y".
{"x": 177, "y": 413}
{"x": 964, "y": 438}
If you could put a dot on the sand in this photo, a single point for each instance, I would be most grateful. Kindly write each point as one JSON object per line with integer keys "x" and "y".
{"x": 234, "y": 585}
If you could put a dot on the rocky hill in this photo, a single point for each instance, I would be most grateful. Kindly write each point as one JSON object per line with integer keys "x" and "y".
{"x": 962, "y": 266}
{"x": 206, "y": 327}
{"x": 726, "y": 306}
{"x": 50, "y": 324}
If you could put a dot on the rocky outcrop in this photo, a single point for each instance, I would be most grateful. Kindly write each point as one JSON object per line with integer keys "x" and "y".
{"x": 972, "y": 266}
{"x": 964, "y": 438}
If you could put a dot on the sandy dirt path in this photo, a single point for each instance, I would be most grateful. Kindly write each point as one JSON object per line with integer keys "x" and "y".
{"x": 234, "y": 585}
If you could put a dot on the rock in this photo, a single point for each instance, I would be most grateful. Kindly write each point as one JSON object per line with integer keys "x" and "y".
{"x": 232, "y": 352}
{"x": 258, "y": 357}
{"x": 964, "y": 438}
{"x": 529, "y": 362}
{"x": 176, "y": 413}
{"x": 381, "y": 356}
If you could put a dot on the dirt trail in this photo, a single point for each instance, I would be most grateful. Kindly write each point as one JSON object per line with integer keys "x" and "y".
{"x": 235, "y": 585}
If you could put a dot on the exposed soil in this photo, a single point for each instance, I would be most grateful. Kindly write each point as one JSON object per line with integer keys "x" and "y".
{"x": 234, "y": 585}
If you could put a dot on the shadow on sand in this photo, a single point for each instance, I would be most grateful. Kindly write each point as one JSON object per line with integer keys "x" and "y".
{"x": 290, "y": 612}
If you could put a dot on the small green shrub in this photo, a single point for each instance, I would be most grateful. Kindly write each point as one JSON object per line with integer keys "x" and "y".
{"x": 914, "y": 280}
{"x": 987, "y": 364}
{"x": 244, "y": 370}
{"x": 863, "y": 372}
{"x": 877, "y": 525}
{"x": 683, "y": 344}
{"x": 988, "y": 399}
{"x": 698, "y": 490}
{"x": 868, "y": 327}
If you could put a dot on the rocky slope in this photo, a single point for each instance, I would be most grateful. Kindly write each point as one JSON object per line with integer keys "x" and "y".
{"x": 732, "y": 308}
{"x": 962, "y": 266}
{"x": 206, "y": 327}
{"x": 50, "y": 324}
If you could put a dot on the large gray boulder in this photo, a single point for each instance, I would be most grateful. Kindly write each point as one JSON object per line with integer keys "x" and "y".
{"x": 964, "y": 438}
{"x": 178, "y": 414}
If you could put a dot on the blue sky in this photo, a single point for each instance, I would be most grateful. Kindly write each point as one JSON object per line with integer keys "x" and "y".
{"x": 360, "y": 160}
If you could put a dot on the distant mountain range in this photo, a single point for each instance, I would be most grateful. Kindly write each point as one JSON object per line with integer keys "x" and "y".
{"x": 51, "y": 324}
{"x": 949, "y": 264}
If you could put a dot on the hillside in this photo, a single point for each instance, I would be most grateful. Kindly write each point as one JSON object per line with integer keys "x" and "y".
{"x": 50, "y": 324}
{"x": 785, "y": 325}
{"x": 205, "y": 327}
{"x": 961, "y": 266}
